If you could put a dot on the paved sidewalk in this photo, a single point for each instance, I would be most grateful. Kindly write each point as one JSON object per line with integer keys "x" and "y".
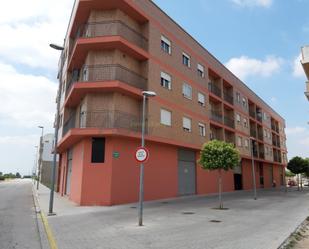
{"x": 181, "y": 223}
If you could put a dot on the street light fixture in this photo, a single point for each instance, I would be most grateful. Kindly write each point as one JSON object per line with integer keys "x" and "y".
{"x": 146, "y": 94}
{"x": 53, "y": 176}
{"x": 40, "y": 156}
{"x": 252, "y": 139}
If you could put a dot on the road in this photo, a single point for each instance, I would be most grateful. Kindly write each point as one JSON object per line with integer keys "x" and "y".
{"x": 18, "y": 223}
{"x": 182, "y": 223}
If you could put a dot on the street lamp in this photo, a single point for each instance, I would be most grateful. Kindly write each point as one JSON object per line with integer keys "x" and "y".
{"x": 146, "y": 94}
{"x": 252, "y": 139}
{"x": 53, "y": 176}
{"x": 40, "y": 156}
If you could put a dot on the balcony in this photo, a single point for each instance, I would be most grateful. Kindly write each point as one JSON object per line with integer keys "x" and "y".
{"x": 105, "y": 36}
{"x": 305, "y": 59}
{"x": 230, "y": 122}
{"x": 214, "y": 89}
{"x": 216, "y": 116}
{"x": 252, "y": 113}
{"x": 253, "y": 133}
{"x": 104, "y": 119}
{"x": 228, "y": 97}
{"x": 101, "y": 73}
{"x": 112, "y": 28}
{"x": 259, "y": 116}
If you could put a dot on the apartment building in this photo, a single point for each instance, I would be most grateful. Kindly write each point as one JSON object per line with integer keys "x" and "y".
{"x": 305, "y": 63}
{"x": 114, "y": 49}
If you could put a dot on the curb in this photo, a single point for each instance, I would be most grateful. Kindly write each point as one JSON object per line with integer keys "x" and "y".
{"x": 48, "y": 231}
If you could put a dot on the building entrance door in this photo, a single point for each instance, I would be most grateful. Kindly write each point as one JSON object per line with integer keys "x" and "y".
{"x": 69, "y": 172}
{"x": 261, "y": 173}
{"x": 238, "y": 178}
{"x": 186, "y": 172}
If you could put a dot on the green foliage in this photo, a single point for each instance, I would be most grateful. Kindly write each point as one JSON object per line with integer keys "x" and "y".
{"x": 2, "y": 178}
{"x": 288, "y": 173}
{"x": 1, "y": 173}
{"x": 298, "y": 165}
{"x": 17, "y": 175}
{"x": 219, "y": 155}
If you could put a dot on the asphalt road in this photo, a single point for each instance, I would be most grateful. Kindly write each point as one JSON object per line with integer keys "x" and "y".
{"x": 18, "y": 224}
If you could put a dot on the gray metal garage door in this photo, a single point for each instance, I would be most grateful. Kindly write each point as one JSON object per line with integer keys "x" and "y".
{"x": 186, "y": 172}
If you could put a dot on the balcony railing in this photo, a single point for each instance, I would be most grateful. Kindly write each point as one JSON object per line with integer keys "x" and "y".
{"x": 229, "y": 122}
{"x": 253, "y": 133}
{"x": 112, "y": 28}
{"x": 214, "y": 89}
{"x": 259, "y": 116}
{"x": 260, "y": 135}
{"x": 105, "y": 119}
{"x": 261, "y": 154}
{"x": 216, "y": 116}
{"x": 108, "y": 73}
{"x": 228, "y": 97}
{"x": 252, "y": 113}
{"x": 275, "y": 128}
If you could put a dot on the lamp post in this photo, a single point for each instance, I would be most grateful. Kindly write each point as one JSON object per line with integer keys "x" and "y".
{"x": 252, "y": 139}
{"x": 53, "y": 176}
{"x": 40, "y": 156}
{"x": 146, "y": 94}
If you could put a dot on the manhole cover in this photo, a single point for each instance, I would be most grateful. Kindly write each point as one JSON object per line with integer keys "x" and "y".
{"x": 215, "y": 221}
{"x": 164, "y": 202}
{"x": 188, "y": 213}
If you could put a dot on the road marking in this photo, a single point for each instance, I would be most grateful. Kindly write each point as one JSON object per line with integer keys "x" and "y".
{"x": 49, "y": 233}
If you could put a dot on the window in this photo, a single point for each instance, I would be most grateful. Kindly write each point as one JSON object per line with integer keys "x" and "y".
{"x": 186, "y": 124}
{"x": 239, "y": 141}
{"x": 98, "y": 150}
{"x": 166, "y": 45}
{"x": 244, "y": 102}
{"x": 186, "y": 60}
{"x": 211, "y": 135}
{"x": 200, "y": 70}
{"x": 166, "y": 80}
{"x": 238, "y": 118}
{"x": 265, "y": 133}
{"x": 166, "y": 117}
{"x": 85, "y": 74}
{"x": 238, "y": 97}
{"x": 202, "y": 129}
{"x": 201, "y": 99}
{"x": 187, "y": 91}
{"x": 247, "y": 143}
{"x": 264, "y": 116}
{"x": 245, "y": 123}
{"x": 266, "y": 150}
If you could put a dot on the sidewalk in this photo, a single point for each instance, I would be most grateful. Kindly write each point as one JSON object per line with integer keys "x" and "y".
{"x": 189, "y": 222}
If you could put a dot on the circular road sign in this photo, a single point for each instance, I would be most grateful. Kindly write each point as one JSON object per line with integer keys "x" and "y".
{"x": 141, "y": 154}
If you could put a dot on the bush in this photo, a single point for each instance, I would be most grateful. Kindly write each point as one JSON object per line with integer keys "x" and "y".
{"x": 2, "y": 178}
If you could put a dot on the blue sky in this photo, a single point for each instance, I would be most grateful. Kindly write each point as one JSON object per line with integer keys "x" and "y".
{"x": 259, "y": 40}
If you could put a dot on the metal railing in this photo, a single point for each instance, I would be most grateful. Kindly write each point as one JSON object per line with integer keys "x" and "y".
{"x": 251, "y": 113}
{"x": 260, "y": 135}
{"x": 259, "y": 116}
{"x": 105, "y": 119}
{"x": 112, "y": 28}
{"x": 109, "y": 72}
{"x": 228, "y": 97}
{"x": 216, "y": 116}
{"x": 253, "y": 133}
{"x": 214, "y": 89}
{"x": 229, "y": 122}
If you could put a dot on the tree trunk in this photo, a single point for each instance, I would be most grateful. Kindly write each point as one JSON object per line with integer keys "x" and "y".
{"x": 298, "y": 182}
{"x": 220, "y": 190}
{"x": 301, "y": 182}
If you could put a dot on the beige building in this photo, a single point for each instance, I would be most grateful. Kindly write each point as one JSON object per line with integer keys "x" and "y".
{"x": 305, "y": 63}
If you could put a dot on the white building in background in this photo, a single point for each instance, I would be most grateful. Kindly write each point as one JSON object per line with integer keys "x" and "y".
{"x": 305, "y": 63}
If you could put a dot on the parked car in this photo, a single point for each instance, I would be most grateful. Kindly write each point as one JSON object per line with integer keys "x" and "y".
{"x": 292, "y": 183}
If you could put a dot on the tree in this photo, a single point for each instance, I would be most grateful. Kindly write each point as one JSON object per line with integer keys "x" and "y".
{"x": 18, "y": 175}
{"x": 297, "y": 165}
{"x": 219, "y": 155}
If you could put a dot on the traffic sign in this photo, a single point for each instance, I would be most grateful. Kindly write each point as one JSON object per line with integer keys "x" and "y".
{"x": 141, "y": 154}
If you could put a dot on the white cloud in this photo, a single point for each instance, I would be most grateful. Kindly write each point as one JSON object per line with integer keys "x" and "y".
{"x": 298, "y": 70}
{"x": 297, "y": 141}
{"x": 34, "y": 25}
{"x": 244, "y": 66}
{"x": 253, "y": 3}
{"x": 28, "y": 100}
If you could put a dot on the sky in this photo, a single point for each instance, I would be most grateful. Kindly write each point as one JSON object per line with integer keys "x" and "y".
{"x": 258, "y": 40}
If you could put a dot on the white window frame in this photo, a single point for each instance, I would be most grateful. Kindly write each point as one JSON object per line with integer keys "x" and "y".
{"x": 188, "y": 58}
{"x": 165, "y": 117}
{"x": 247, "y": 143}
{"x": 239, "y": 141}
{"x": 187, "y": 91}
{"x": 201, "y": 99}
{"x": 238, "y": 97}
{"x": 238, "y": 118}
{"x": 201, "y": 70}
{"x": 168, "y": 43}
{"x": 167, "y": 80}
{"x": 202, "y": 129}
{"x": 187, "y": 124}
{"x": 245, "y": 120}
{"x": 244, "y": 102}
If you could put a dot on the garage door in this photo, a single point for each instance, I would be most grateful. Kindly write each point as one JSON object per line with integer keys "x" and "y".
{"x": 186, "y": 172}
